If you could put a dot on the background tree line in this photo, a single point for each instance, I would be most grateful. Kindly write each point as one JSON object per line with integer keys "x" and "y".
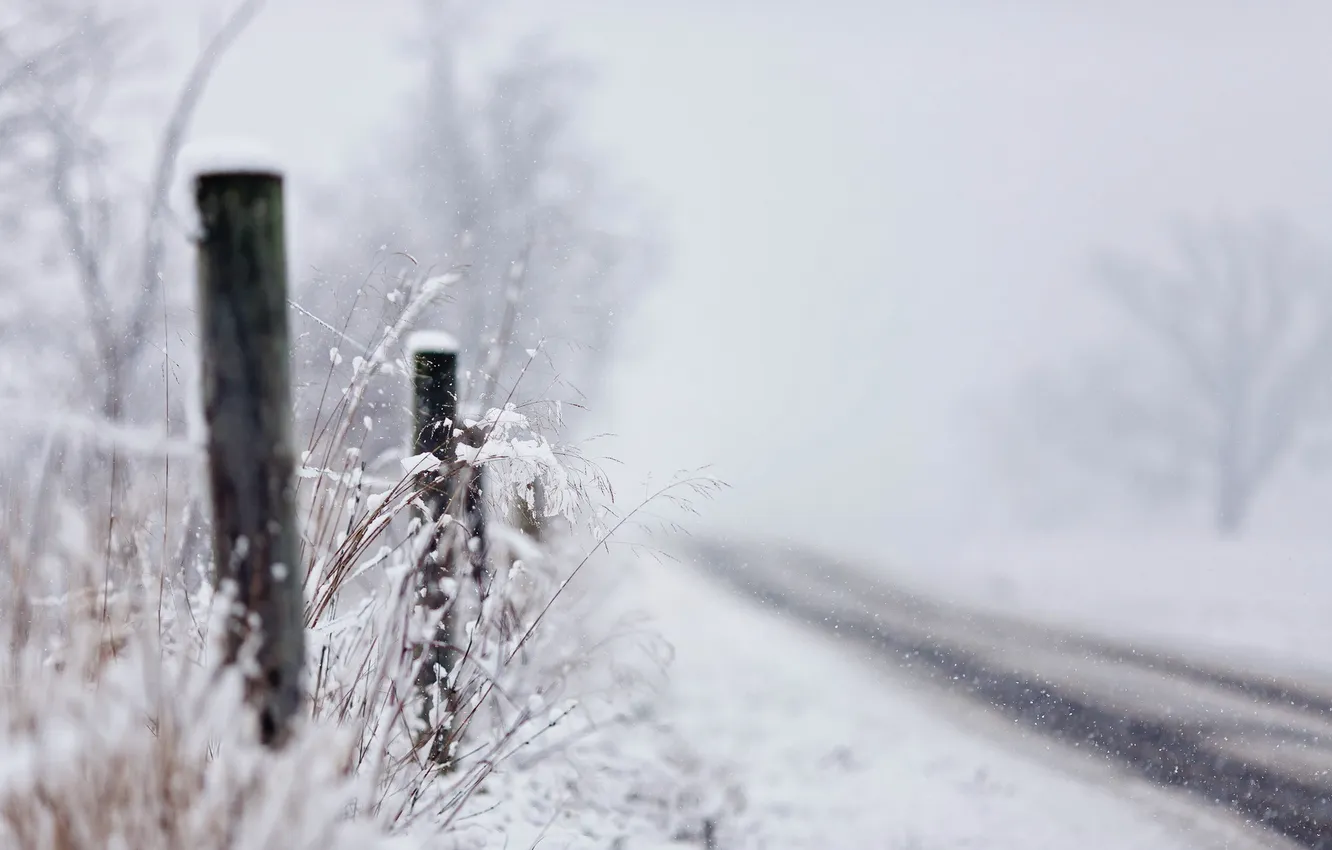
{"x": 490, "y": 176}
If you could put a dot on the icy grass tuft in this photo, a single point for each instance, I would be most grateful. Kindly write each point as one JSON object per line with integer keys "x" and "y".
{"x": 120, "y": 730}
{"x": 116, "y": 736}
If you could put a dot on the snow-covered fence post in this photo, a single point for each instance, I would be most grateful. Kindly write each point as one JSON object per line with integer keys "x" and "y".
{"x": 478, "y": 551}
{"x": 531, "y": 508}
{"x": 247, "y": 406}
{"x": 434, "y": 357}
{"x": 434, "y": 363}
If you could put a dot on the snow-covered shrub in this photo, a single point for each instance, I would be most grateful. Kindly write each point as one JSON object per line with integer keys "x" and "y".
{"x": 111, "y": 739}
{"x": 119, "y": 727}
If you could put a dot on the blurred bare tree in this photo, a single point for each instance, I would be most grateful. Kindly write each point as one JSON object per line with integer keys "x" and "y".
{"x": 1226, "y": 375}
{"x": 88, "y": 286}
{"x": 489, "y": 175}
{"x": 47, "y": 54}
{"x": 121, "y": 295}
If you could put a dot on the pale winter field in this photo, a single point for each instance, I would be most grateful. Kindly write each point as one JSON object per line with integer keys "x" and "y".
{"x": 811, "y": 744}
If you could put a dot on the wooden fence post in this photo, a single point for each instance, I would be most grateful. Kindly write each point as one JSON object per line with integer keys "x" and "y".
{"x": 434, "y": 358}
{"x": 478, "y": 548}
{"x": 532, "y": 510}
{"x": 247, "y": 406}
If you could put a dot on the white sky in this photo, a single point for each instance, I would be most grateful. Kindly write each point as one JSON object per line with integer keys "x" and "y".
{"x": 878, "y": 210}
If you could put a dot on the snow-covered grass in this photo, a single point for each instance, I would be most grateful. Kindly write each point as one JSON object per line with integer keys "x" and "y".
{"x": 1255, "y": 601}
{"x": 811, "y": 743}
{"x": 113, "y": 738}
{"x": 121, "y": 728}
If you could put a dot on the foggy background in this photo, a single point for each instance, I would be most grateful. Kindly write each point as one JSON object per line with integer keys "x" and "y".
{"x": 1009, "y": 326}
{"x": 875, "y": 218}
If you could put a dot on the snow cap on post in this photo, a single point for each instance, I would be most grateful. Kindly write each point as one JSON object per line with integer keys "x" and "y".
{"x": 431, "y": 342}
{"x": 229, "y": 156}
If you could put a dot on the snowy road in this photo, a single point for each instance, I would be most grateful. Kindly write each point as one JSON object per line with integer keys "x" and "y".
{"x": 1253, "y": 743}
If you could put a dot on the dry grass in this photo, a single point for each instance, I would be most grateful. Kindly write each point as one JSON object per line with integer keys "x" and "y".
{"x": 122, "y": 730}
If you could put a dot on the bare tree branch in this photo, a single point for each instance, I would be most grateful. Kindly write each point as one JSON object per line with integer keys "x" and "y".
{"x": 87, "y": 258}
{"x": 173, "y": 137}
{"x": 64, "y": 89}
{"x": 1245, "y": 326}
{"x": 1150, "y": 301}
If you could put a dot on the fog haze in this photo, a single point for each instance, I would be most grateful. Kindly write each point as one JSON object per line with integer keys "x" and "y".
{"x": 878, "y": 214}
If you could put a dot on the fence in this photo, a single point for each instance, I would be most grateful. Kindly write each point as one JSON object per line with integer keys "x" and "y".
{"x": 251, "y": 467}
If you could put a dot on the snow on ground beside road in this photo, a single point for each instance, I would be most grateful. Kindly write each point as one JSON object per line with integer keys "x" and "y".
{"x": 828, "y": 750}
{"x": 1252, "y": 601}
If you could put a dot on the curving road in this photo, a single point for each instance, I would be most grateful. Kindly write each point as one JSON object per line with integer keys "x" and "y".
{"x": 1254, "y": 743}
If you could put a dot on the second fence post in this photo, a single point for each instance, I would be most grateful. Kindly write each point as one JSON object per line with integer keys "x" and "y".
{"x": 434, "y": 364}
{"x": 247, "y": 405}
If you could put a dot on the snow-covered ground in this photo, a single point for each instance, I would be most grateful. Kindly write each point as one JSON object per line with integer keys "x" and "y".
{"x": 1254, "y": 601}
{"x": 810, "y": 744}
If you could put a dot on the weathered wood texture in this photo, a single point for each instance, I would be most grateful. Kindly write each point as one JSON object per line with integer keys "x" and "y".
{"x": 435, "y": 411}
{"x": 247, "y": 405}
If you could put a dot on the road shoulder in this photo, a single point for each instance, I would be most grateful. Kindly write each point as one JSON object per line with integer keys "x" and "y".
{"x": 828, "y": 747}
